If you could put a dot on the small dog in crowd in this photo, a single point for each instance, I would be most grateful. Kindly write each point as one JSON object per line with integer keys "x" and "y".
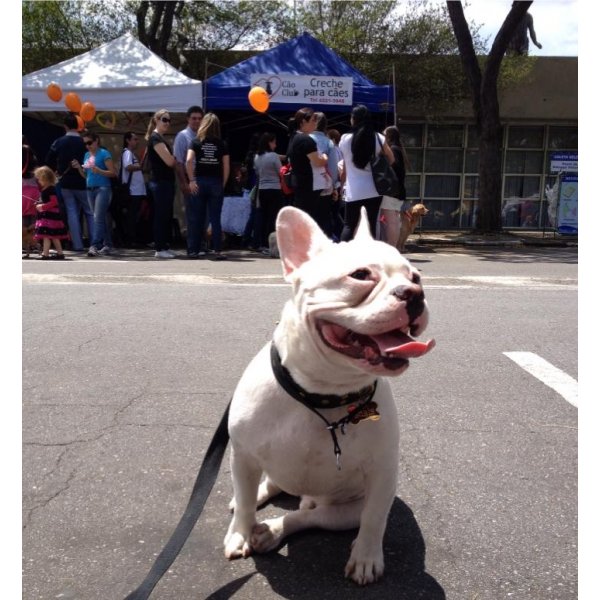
{"x": 410, "y": 218}
{"x": 29, "y": 245}
{"x": 313, "y": 414}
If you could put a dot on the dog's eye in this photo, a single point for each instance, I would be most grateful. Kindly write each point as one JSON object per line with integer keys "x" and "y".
{"x": 361, "y": 274}
{"x": 416, "y": 278}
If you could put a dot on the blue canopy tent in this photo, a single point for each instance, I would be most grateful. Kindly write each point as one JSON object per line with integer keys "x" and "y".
{"x": 300, "y": 56}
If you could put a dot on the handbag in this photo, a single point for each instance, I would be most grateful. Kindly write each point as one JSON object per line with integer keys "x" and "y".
{"x": 286, "y": 179}
{"x": 384, "y": 177}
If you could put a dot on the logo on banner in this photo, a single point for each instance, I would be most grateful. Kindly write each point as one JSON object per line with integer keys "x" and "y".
{"x": 310, "y": 89}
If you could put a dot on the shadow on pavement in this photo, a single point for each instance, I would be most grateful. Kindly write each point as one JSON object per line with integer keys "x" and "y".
{"x": 314, "y": 565}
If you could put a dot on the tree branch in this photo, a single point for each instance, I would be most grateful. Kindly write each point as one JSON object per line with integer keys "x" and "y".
{"x": 467, "y": 52}
{"x": 503, "y": 37}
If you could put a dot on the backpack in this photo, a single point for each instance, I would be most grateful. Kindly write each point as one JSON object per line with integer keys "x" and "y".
{"x": 285, "y": 177}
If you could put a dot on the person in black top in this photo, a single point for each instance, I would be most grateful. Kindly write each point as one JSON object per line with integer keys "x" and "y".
{"x": 308, "y": 165}
{"x": 207, "y": 168}
{"x": 162, "y": 181}
{"x": 392, "y": 209}
{"x": 71, "y": 186}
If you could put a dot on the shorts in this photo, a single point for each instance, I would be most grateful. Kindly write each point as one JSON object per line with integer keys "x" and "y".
{"x": 390, "y": 203}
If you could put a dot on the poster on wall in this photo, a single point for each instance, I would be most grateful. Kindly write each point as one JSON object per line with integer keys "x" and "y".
{"x": 310, "y": 89}
{"x": 567, "y": 222}
{"x": 566, "y": 165}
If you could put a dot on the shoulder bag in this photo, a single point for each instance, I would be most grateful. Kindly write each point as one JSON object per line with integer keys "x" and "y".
{"x": 384, "y": 178}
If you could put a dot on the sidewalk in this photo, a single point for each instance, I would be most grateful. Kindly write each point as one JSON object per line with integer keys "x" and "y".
{"x": 507, "y": 238}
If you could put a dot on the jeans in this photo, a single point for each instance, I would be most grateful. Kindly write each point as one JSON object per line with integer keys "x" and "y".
{"x": 352, "y": 216}
{"x": 311, "y": 202}
{"x": 99, "y": 198}
{"x": 210, "y": 200}
{"x": 163, "y": 196}
{"x": 195, "y": 213}
{"x": 271, "y": 202}
{"x": 75, "y": 200}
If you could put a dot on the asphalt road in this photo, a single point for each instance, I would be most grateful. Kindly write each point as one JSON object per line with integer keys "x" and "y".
{"x": 127, "y": 367}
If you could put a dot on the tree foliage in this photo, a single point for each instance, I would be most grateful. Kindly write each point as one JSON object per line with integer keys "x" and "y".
{"x": 176, "y": 28}
{"x": 373, "y": 35}
{"x": 53, "y": 31}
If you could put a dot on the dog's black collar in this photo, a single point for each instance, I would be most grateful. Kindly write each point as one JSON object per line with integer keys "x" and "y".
{"x": 362, "y": 398}
{"x": 286, "y": 381}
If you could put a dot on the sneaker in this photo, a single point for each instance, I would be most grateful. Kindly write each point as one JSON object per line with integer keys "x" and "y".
{"x": 163, "y": 254}
{"x": 93, "y": 251}
{"x": 219, "y": 256}
{"x": 105, "y": 250}
{"x": 192, "y": 255}
{"x": 171, "y": 253}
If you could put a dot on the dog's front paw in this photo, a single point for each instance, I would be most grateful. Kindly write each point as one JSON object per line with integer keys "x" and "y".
{"x": 364, "y": 567}
{"x": 237, "y": 546}
{"x": 267, "y": 535}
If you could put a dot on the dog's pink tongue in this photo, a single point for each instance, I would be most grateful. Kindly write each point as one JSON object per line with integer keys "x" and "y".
{"x": 408, "y": 348}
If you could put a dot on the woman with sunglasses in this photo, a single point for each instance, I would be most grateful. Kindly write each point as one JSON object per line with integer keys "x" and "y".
{"x": 98, "y": 169}
{"x": 162, "y": 181}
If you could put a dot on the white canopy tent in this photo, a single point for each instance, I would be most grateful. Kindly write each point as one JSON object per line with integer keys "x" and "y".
{"x": 121, "y": 75}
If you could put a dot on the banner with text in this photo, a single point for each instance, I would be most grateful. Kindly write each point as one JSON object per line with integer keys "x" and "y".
{"x": 310, "y": 89}
{"x": 567, "y": 221}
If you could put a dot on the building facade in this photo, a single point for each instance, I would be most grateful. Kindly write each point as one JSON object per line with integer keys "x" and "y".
{"x": 539, "y": 118}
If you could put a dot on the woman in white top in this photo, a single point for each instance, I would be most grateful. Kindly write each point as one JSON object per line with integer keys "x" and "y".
{"x": 358, "y": 148}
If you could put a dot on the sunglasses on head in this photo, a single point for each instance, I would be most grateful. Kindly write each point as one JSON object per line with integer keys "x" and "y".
{"x": 89, "y": 142}
{"x": 165, "y": 119}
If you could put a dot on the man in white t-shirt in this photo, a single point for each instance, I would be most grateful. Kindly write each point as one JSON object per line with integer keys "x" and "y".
{"x": 131, "y": 172}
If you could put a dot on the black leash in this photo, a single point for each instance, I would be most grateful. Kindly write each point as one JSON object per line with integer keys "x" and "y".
{"x": 204, "y": 483}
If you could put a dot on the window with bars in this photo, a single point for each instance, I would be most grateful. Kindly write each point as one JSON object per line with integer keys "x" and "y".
{"x": 444, "y": 171}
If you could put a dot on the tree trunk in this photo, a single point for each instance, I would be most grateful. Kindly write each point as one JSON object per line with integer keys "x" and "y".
{"x": 489, "y": 216}
{"x": 486, "y": 110}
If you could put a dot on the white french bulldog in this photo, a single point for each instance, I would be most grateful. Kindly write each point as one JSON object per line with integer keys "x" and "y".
{"x": 354, "y": 310}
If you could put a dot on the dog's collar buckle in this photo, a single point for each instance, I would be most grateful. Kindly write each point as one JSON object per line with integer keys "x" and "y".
{"x": 365, "y": 408}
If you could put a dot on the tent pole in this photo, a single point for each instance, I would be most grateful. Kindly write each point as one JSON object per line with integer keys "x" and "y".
{"x": 205, "y": 78}
{"x": 394, "y": 92}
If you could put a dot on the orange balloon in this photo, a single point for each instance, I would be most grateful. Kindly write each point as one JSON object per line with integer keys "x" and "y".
{"x": 54, "y": 92}
{"x": 258, "y": 98}
{"x": 73, "y": 102}
{"x": 87, "y": 111}
{"x": 80, "y": 123}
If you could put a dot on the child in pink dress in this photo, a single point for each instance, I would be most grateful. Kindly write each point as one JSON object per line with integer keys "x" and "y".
{"x": 49, "y": 225}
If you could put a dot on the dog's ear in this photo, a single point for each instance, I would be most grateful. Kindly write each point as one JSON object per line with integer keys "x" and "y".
{"x": 299, "y": 238}
{"x": 363, "y": 231}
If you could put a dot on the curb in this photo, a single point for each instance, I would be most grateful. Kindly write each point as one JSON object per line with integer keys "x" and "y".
{"x": 519, "y": 243}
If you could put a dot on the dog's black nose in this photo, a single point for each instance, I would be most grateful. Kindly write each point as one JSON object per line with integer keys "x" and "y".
{"x": 406, "y": 292}
{"x": 413, "y": 296}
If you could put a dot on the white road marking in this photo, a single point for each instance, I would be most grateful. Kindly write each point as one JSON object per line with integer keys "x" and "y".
{"x": 431, "y": 283}
{"x": 548, "y": 374}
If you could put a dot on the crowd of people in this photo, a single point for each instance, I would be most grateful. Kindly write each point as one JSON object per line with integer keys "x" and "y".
{"x": 328, "y": 175}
